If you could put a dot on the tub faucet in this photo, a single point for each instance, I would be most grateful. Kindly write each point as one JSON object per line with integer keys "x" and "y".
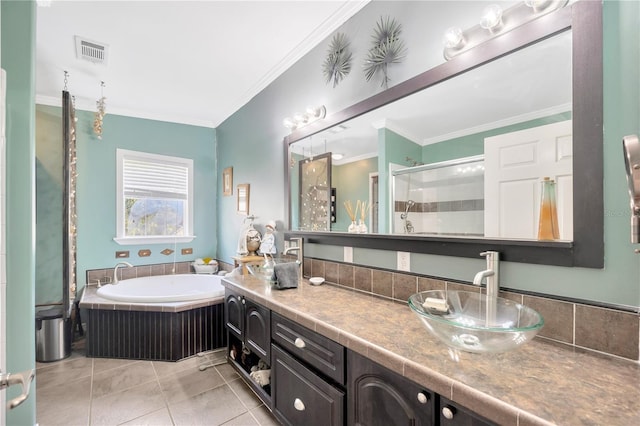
{"x": 115, "y": 270}
{"x": 298, "y": 248}
{"x": 493, "y": 285}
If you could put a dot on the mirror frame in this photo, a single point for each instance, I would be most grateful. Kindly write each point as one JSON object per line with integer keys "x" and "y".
{"x": 584, "y": 18}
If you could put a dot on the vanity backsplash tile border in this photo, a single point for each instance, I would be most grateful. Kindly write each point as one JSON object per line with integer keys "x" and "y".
{"x": 105, "y": 275}
{"x": 603, "y": 329}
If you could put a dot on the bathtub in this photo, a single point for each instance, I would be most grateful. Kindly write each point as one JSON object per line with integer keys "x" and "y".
{"x": 164, "y": 289}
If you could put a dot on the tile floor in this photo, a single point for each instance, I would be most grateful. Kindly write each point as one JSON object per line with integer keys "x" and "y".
{"x": 98, "y": 391}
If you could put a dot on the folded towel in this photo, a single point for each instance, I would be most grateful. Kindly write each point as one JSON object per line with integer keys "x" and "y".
{"x": 285, "y": 275}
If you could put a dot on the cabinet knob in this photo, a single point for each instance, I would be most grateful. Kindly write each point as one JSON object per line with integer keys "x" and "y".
{"x": 448, "y": 412}
{"x": 243, "y": 301}
{"x": 299, "y": 343}
{"x": 423, "y": 398}
{"x": 298, "y": 404}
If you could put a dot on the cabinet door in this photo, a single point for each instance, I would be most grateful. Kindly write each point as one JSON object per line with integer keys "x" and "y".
{"x": 300, "y": 397}
{"x": 234, "y": 314}
{"x": 453, "y": 414}
{"x": 380, "y": 397}
{"x": 257, "y": 330}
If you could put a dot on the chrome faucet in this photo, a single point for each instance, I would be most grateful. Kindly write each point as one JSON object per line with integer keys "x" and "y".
{"x": 115, "y": 270}
{"x": 493, "y": 284}
{"x": 298, "y": 248}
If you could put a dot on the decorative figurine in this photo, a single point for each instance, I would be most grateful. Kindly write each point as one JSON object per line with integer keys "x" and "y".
{"x": 268, "y": 242}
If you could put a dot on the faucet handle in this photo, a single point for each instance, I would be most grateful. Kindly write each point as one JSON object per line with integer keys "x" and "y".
{"x": 489, "y": 253}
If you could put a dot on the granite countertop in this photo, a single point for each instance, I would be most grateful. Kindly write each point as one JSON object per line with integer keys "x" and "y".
{"x": 539, "y": 383}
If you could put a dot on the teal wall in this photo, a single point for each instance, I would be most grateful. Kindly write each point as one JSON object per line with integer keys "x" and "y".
{"x": 96, "y": 187}
{"x": 352, "y": 181}
{"x": 96, "y": 192}
{"x": 466, "y": 146}
{"x": 256, "y": 128}
{"x": 393, "y": 148}
{"x": 18, "y": 59}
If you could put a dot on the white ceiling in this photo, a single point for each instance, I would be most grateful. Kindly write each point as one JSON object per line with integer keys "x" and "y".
{"x": 193, "y": 62}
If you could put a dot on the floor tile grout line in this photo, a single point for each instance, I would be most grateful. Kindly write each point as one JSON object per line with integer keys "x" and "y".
{"x": 164, "y": 397}
{"x": 91, "y": 392}
{"x": 249, "y": 410}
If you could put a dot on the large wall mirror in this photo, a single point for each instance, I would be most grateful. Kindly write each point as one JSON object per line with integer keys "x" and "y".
{"x": 452, "y": 161}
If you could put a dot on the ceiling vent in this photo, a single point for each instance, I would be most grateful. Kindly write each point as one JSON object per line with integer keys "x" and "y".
{"x": 92, "y": 51}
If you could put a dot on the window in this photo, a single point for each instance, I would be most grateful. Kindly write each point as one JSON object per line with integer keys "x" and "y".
{"x": 154, "y": 198}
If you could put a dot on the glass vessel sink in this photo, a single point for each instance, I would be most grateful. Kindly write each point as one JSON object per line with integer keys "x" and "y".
{"x": 470, "y": 322}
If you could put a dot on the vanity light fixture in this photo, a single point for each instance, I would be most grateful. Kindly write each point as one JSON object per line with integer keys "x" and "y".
{"x": 311, "y": 114}
{"x": 494, "y": 22}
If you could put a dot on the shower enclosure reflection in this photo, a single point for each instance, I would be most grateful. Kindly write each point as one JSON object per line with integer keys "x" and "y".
{"x": 445, "y": 198}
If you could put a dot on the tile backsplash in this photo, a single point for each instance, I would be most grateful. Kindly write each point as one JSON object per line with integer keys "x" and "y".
{"x": 581, "y": 325}
{"x": 603, "y": 329}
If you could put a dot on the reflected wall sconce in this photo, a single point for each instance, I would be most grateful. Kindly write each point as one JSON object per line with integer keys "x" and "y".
{"x": 301, "y": 119}
{"x": 100, "y": 113}
{"x": 494, "y": 22}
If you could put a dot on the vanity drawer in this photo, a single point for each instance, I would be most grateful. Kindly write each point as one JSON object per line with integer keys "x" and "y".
{"x": 316, "y": 350}
{"x": 300, "y": 397}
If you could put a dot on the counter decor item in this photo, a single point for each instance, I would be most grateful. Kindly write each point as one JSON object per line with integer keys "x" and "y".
{"x": 205, "y": 266}
{"x": 316, "y": 280}
{"x": 364, "y": 210}
{"x": 353, "y": 228}
{"x": 548, "y": 221}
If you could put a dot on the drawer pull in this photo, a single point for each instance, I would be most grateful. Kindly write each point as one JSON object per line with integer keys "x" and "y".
{"x": 422, "y": 398}
{"x": 298, "y": 404}
{"x": 448, "y": 412}
{"x": 299, "y": 343}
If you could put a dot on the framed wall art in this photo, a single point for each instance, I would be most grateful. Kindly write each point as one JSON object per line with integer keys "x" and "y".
{"x": 243, "y": 198}
{"x": 227, "y": 181}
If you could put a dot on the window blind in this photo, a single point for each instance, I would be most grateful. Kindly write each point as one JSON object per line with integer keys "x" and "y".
{"x": 151, "y": 179}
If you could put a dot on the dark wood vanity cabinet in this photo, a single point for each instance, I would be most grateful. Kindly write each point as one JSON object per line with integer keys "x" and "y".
{"x": 250, "y": 323}
{"x": 308, "y": 375}
{"x": 249, "y": 339}
{"x": 380, "y": 397}
{"x": 452, "y": 414}
{"x": 316, "y": 381}
{"x": 301, "y": 396}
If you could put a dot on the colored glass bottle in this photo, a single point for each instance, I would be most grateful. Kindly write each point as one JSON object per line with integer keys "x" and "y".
{"x": 548, "y": 223}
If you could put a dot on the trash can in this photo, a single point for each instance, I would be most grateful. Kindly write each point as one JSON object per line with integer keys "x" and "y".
{"x": 51, "y": 335}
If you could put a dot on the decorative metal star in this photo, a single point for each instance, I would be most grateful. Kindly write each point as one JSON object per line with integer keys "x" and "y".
{"x": 337, "y": 65}
{"x": 387, "y": 49}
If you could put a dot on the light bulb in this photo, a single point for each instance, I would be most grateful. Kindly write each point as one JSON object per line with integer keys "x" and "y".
{"x": 453, "y": 38}
{"x": 301, "y": 118}
{"x": 537, "y": 5}
{"x": 289, "y": 123}
{"x": 491, "y": 17}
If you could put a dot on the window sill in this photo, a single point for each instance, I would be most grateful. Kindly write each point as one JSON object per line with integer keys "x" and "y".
{"x": 129, "y": 241}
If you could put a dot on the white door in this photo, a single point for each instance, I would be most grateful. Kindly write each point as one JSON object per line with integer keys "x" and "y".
{"x": 515, "y": 164}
